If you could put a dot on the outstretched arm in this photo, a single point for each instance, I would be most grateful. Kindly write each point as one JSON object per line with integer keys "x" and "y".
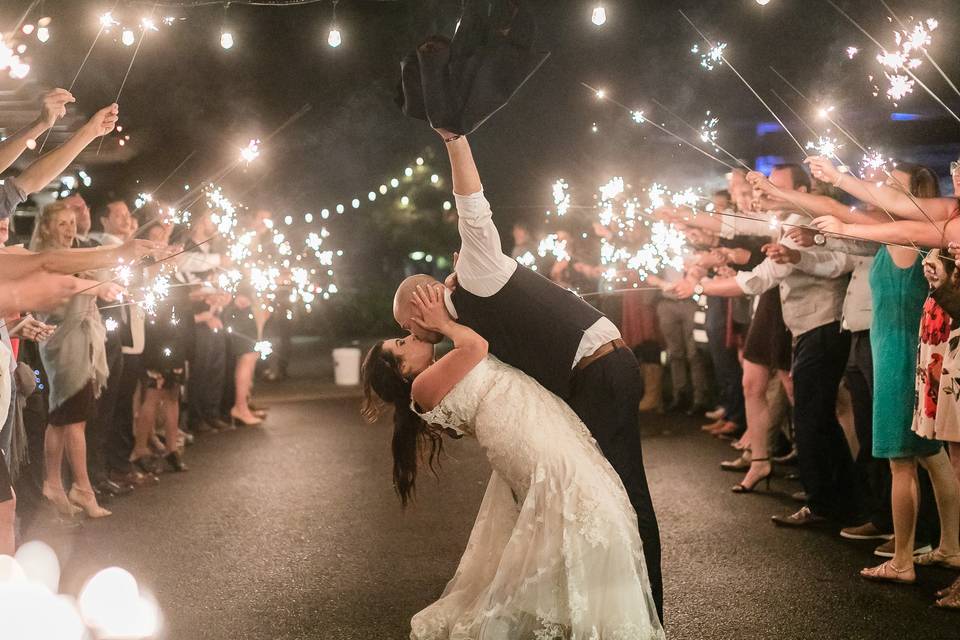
{"x": 902, "y": 232}
{"x": 50, "y": 165}
{"x": 54, "y": 107}
{"x": 70, "y": 261}
{"x": 482, "y": 267}
{"x": 896, "y": 200}
{"x": 469, "y": 349}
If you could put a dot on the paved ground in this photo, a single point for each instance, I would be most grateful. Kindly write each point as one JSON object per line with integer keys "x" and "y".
{"x": 291, "y": 531}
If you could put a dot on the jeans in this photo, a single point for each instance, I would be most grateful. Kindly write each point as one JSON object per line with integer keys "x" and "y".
{"x": 726, "y": 362}
{"x": 676, "y": 325}
{"x": 826, "y": 465}
{"x": 207, "y": 371}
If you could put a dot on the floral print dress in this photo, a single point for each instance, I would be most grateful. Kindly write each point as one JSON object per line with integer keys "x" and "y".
{"x": 937, "y": 407}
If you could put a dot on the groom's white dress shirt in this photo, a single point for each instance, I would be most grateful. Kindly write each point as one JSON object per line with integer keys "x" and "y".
{"x": 483, "y": 268}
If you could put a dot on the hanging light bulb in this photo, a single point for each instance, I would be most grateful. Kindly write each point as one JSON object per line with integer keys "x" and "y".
{"x": 128, "y": 38}
{"x": 763, "y": 3}
{"x": 43, "y": 34}
{"x": 334, "y": 39}
{"x": 599, "y": 15}
{"x": 226, "y": 40}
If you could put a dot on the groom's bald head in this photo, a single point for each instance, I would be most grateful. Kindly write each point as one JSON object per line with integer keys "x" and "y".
{"x": 403, "y": 301}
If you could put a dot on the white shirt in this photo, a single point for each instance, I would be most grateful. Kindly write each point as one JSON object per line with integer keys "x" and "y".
{"x": 106, "y": 239}
{"x": 483, "y": 268}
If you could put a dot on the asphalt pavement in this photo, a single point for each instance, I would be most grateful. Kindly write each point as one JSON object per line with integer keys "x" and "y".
{"x": 291, "y": 531}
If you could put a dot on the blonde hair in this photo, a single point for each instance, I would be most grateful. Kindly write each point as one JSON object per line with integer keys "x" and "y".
{"x": 42, "y": 238}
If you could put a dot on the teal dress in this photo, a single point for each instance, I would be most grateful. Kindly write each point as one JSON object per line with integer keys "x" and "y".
{"x": 898, "y": 297}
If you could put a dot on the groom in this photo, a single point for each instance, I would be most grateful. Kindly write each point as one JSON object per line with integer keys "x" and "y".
{"x": 550, "y": 334}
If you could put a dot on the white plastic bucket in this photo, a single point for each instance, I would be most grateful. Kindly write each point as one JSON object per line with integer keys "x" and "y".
{"x": 346, "y": 366}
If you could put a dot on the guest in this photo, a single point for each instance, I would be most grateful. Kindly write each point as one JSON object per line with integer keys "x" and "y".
{"x": 75, "y": 362}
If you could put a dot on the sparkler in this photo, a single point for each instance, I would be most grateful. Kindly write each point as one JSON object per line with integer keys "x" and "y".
{"x": 899, "y": 85}
{"x": 852, "y": 52}
{"x": 251, "y": 152}
{"x": 552, "y": 245}
{"x": 722, "y": 57}
{"x": 643, "y": 120}
{"x": 712, "y": 57}
{"x": 919, "y": 39}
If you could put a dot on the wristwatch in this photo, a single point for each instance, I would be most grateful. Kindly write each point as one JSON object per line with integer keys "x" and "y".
{"x": 819, "y": 239}
{"x": 698, "y": 289}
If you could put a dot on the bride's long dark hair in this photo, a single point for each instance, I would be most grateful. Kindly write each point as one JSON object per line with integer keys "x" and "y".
{"x": 413, "y": 439}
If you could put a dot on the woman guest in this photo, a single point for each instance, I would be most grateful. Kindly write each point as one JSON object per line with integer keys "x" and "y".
{"x": 75, "y": 361}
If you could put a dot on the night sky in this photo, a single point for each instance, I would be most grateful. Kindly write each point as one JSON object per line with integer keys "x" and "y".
{"x": 186, "y": 93}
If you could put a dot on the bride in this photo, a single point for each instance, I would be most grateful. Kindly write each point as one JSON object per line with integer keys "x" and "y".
{"x": 555, "y": 553}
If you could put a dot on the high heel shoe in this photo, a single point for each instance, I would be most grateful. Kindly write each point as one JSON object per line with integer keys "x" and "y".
{"x": 87, "y": 501}
{"x": 237, "y": 420}
{"x": 175, "y": 461}
{"x": 60, "y": 503}
{"x": 145, "y": 464}
{"x": 743, "y": 488}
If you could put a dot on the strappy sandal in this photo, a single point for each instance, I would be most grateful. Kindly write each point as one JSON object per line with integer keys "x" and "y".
{"x": 939, "y": 559}
{"x": 886, "y": 572}
{"x": 946, "y": 591}
{"x": 951, "y": 601}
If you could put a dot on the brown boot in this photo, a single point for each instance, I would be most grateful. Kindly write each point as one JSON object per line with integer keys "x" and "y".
{"x": 652, "y": 388}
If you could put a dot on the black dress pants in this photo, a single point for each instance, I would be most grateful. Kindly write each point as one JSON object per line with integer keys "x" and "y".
{"x": 606, "y": 396}
{"x": 101, "y": 430}
{"x": 826, "y": 465}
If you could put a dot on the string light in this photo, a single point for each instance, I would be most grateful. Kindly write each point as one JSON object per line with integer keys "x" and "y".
{"x": 226, "y": 40}
{"x": 599, "y": 17}
{"x": 334, "y": 39}
{"x": 128, "y": 38}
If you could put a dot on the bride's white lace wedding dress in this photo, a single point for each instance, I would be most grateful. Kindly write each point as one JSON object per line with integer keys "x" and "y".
{"x": 555, "y": 553}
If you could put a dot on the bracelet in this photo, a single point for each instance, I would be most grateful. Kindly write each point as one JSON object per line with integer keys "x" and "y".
{"x": 452, "y": 138}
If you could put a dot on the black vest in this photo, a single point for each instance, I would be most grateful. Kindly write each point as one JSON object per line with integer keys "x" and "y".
{"x": 531, "y": 324}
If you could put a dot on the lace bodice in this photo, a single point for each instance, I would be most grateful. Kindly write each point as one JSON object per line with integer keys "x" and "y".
{"x": 458, "y": 408}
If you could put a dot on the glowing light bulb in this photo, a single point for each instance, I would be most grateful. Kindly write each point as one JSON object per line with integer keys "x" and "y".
{"x": 127, "y": 37}
{"x": 308, "y": 218}
{"x": 763, "y": 3}
{"x": 43, "y": 34}
{"x": 226, "y": 40}
{"x": 355, "y": 203}
{"x": 334, "y": 39}
{"x": 599, "y": 16}
{"x": 27, "y": 29}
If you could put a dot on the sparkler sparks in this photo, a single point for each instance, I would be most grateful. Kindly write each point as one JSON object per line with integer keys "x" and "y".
{"x": 852, "y": 52}
{"x": 872, "y": 162}
{"x": 561, "y": 197}
{"x": 552, "y": 245}
{"x": 251, "y": 152}
{"x": 712, "y": 57}
{"x": 824, "y": 146}
{"x": 264, "y": 348}
{"x": 708, "y": 132}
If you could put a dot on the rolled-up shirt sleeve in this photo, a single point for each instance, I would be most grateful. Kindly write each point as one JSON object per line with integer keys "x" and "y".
{"x": 765, "y": 276}
{"x": 482, "y": 267}
{"x": 11, "y": 195}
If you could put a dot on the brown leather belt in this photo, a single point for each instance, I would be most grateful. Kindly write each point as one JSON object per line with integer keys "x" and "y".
{"x": 604, "y": 350}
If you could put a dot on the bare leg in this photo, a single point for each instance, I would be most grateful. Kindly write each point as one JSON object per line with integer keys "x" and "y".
{"x": 904, "y": 500}
{"x": 954, "y": 449}
{"x": 145, "y": 423}
{"x": 76, "y": 445}
{"x": 8, "y": 514}
{"x": 171, "y": 412}
{"x": 947, "y": 493}
{"x": 246, "y": 364}
{"x": 53, "y": 442}
{"x": 755, "y": 380}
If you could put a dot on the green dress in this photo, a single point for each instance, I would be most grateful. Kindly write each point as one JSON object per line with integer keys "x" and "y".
{"x": 898, "y": 296}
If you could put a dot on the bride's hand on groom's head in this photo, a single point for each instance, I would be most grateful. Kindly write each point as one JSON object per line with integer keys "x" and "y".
{"x": 430, "y": 313}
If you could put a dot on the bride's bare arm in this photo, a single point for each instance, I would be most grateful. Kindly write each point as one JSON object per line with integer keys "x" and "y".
{"x": 469, "y": 348}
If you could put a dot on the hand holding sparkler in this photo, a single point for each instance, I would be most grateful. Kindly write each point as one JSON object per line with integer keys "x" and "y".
{"x": 781, "y": 254}
{"x": 109, "y": 291}
{"x": 30, "y": 328}
{"x": 681, "y": 290}
{"x": 933, "y": 269}
{"x": 954, "y": 249}
{"x": 103, "y": 121}
{"x": 802, "y": 237}
{"x": 830, "y": 225}
{"x": 824, "y": 170}
{"x": 136, "y": 248}
{"x": 54, "y": 106}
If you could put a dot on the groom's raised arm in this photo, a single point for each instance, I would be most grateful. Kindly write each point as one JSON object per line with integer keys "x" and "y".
{"x": 482, "y": 268}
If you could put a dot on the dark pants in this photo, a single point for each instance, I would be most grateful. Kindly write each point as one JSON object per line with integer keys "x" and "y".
{"x": 726, "y": 363}
{"x": 120, "y": 438}
{"x": 207, "y": 370}
{"x": 100, "y": 427}
{"x": 826, "y": 465}
{"x": 606, "y": 396}
{"x": 874, "y": 473}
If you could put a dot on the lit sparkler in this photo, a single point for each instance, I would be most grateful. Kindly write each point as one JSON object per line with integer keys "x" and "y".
{"x": 712, "y": 57}
{"x": 561, "y": 196}
{"x": 251, "y": 152}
